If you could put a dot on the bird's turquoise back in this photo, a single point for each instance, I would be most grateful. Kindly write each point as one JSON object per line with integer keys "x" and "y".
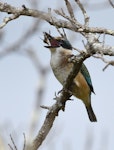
{"x": 87, "y": 77}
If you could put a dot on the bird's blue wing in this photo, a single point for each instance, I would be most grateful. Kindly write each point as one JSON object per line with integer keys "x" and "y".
{"x": 87, "y": 77}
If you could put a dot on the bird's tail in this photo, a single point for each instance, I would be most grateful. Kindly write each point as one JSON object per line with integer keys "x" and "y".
{"x": 91, "y": 113}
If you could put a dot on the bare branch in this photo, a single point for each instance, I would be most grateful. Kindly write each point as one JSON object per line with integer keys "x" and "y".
{"x": 109, "y": 63}
{"x": 10, "y": 147}
{"x": 24, "y": 145}
{"x": 59, "y": 105}
{"x": 15, "y": 46}
{"x": 45, "y": 107}
{"x": 35, "y": 60}
{"x": 7, "y": 19}
{"x": 86, "y": 18}
{"x": 94, "y": 46}
{"x": 56, "y": 22}
{"x": 12, "y": 140}
{"x": 4, "y": 7}
{"x": 105, "y": 61}
{"x": 42, "y": 72}
{"x": 80, "y": 51}
{"x": 70, "y": 9}
{"x": 111, "y": 3}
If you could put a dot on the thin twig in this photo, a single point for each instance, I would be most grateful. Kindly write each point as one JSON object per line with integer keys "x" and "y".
{"x": 105, "y": 61}
{"x": 74, "y": 23}
{"x": 59, "y": 32}
{"x": 105, "y": 67}
{"x": 45, "y": 107}
{"x": 15, "y": 147}
{"x": 24, "y": 145}
{"x": 109, "y": 63}
{"x": 8, "y": 19}
{"x": 70, "y": 9}
{"x": 111, "y": 3}
{"x": 10, "y": 147}
{"x": 86, "y": 18}
{"x": 64, "y": 33}
{"x": 78, "y": 50}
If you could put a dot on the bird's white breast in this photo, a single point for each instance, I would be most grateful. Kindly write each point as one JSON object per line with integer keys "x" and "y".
{"x": 59, "y": 64}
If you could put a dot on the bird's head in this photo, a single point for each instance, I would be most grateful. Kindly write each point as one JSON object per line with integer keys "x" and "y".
{"x": 56, "y": 42}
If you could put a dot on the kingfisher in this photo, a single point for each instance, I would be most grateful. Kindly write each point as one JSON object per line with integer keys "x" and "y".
{"x": 61, "y": 51}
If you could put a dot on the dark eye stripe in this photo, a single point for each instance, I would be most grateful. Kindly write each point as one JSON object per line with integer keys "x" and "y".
{"x": 66, "y": 44}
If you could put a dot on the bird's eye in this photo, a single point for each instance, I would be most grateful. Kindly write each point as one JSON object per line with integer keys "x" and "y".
{"x": 65, "y": 44}
{"x": 61, "y": 42}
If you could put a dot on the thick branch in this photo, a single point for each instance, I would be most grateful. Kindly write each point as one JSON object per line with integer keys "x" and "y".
{"x": 93, "y": 46}
{"x": 52, "y": 20}
{"x": 59, "y": 105}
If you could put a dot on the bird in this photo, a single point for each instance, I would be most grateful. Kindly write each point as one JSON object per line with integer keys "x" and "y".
{"x": 61, "y": 51}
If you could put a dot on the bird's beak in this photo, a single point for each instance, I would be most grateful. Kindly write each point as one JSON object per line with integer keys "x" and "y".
{"x": 50, "y": 41}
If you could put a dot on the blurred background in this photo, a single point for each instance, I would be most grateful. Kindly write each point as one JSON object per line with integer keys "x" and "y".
{"x": 26, "y": 82}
